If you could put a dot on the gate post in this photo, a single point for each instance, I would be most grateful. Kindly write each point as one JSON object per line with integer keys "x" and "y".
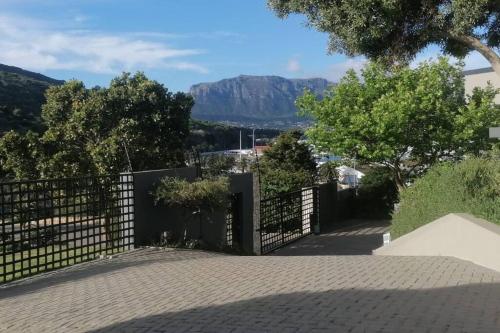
{"x": 315, "y": 227}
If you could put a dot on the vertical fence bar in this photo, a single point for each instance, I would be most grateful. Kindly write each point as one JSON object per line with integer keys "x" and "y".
{"x": 47, "y": 224}
{"x": 287, "y": 217}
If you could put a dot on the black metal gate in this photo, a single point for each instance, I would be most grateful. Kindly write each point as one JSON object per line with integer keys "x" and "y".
{"x": 287, "y": 217}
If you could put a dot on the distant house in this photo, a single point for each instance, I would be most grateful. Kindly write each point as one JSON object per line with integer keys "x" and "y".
{"x": 261, "y": 149}
{"x": 479, "y": 78}
{"x": 349, "y": 177}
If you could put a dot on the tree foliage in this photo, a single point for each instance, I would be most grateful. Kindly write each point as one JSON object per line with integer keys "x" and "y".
{"x": 217, "y": 165}
{"x": 398, "y": 30}
{"x": 377, "y": 194}
{"x": 288, "y": 165}
{"x": 405, "y": 119}
{"x": 203, "y": 194}
{"x": 327, "y": 172}
{"x": 91, "y": 131}
{"x": 19, "y": 155}
{"x": 471, "y": 186}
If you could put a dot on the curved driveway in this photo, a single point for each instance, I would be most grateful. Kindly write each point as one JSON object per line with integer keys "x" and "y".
{"x": 194, "y": 291}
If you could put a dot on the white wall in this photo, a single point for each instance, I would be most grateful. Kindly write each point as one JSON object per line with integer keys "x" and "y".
{"x": 480, "y": 80}
{"x": 455, "y": 235}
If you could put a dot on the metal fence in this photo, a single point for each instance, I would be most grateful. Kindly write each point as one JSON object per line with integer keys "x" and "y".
{"x": 49, "y": 224}
{"x": 287, "y": 217}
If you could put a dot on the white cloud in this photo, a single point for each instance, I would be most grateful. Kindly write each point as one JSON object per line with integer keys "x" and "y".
{"x": 336, "y": 71}
{"x": 473, "y": 60}
{"x": 218, "y": 34}
{"x": 37, "y": 46}
{"x": 81, "y": 18}
{"x": 293, "y": 65}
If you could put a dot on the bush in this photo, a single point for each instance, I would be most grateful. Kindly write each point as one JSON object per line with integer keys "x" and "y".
{"x": 471, "y": 186}
{"x": 377, "y": 194}
{"x": 205, "y": 194}
{"x": 278, "y": 181}
{"x": 218, "y": 165}
{"x": 287, "y": 166}
{"x": 327, "y": 172}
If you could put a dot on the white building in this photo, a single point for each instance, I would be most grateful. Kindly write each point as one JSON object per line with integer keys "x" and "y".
{"x": 480, "y": 78}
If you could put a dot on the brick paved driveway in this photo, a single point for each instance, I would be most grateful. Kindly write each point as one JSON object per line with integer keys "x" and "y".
{"x": 194, "y": 291}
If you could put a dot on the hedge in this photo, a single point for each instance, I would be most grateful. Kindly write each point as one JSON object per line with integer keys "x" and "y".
{"x": 471, "y": 186}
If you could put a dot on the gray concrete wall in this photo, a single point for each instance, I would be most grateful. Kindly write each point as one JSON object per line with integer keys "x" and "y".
{"x": 256, "y": 214}
{"x": 154, "y": 221}
{"x": 243, "y": 183}
{"x": 456, "y": 235}
{"x": 327, "y": 205}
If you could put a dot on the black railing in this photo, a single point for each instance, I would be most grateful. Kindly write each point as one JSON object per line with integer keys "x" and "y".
{"x": 49, "y": 224}
{"x": 287, "y": 217}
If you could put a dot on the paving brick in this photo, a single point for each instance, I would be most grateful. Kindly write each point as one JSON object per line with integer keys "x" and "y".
{"x": 193, "y": 291}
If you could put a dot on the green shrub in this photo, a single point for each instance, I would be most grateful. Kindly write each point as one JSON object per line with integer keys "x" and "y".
{"x": 377, "y": 194}
{"x": 205, "y": 194}
{"x": 327, "y": 172}
{"x": 217, "y": 165}
{"x": 471, "y": 186}
{"x": 278, "y": 181}
{"x": 287, "y": 166}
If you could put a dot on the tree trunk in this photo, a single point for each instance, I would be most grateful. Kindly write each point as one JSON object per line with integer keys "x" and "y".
{"x": 486, "y": 51}
{"x": 398, "y": 178}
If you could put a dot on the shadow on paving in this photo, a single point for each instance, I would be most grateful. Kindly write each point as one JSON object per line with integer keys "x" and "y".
{"x": 359, "y": 237}
{"x": 140, "y": 257}
{"x": 466, "y": 308}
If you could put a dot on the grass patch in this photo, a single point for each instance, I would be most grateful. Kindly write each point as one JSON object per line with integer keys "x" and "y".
{"x": 26, "y": 263}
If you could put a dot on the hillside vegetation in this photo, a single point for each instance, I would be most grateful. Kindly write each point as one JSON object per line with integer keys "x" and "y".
{"x": 21, "y": 97}
{"x": 471, "y": 186}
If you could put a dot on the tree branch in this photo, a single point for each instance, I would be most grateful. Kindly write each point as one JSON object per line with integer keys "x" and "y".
{"x": 477, "y": 45}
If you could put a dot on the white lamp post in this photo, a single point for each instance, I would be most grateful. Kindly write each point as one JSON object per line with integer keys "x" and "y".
{"x": 253, "y": 139}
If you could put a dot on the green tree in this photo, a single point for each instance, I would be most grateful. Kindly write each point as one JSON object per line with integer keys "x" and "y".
{"x": 289, "y": 153}
{"x": 398, "y": 30}
{"x": 217, "y": 165}
{"x": 288, "y": 165}
{"x": 91, "y": 131}
{"x": 19, "y": 155}
{"x": 405, "y": 119}
{"x": 327, "y": 172}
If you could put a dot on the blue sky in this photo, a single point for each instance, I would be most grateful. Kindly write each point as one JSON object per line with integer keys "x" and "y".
{"x": 177, "y": 42}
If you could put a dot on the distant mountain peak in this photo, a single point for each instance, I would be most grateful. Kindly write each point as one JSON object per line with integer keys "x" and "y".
{"x": 253, "y": 100}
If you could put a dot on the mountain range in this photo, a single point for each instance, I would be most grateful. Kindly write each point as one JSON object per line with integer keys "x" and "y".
{"x": 22, "y": 94}
{"x": 261, "y": 101}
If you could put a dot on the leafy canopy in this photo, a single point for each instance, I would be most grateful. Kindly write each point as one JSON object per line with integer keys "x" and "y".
{"x": 405, "y": 119}
{"x": 203, "y": 194}
{"x": 397, "y": 30}
{"x": 288, "y": 165}
{"x": 91, "y": 131}
{"x": 472, "y": 186}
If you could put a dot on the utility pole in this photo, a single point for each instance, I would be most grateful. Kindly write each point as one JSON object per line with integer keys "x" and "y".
{"x": 240, "y": 146}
